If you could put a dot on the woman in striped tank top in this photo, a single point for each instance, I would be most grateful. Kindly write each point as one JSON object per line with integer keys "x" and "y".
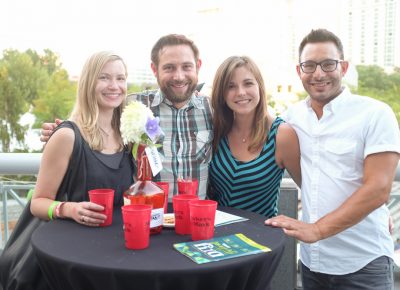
{"x": 251, "y": 148}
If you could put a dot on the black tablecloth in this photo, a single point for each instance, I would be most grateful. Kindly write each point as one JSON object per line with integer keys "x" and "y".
{"x": 73, "y": 256}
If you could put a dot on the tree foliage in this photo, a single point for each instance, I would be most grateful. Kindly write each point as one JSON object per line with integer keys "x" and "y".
{"x": 20, "y": 80}
{"x": 374, "y": 82}
{"x": 57, "y": 96}
{"x": 135, "y": 88}
{"x": 49, "y": 60}
{"x": 29, "y": 79}
{"x": 56, "y": 99}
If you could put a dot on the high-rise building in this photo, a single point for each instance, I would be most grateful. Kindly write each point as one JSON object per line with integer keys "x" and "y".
{"x": 371, "y": 33}
{"x": 270, "y": 32}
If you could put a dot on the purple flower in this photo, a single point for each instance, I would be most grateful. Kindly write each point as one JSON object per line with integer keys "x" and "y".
{"x": 152, "y": 129}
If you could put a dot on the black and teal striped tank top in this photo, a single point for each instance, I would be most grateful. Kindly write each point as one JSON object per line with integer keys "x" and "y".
{"x": 252, "y": 185}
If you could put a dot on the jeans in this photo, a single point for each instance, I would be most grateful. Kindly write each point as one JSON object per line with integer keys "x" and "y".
{"x": 377, "y": 275}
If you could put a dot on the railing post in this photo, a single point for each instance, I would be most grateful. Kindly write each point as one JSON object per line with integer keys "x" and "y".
{"x": 1, "y": 231}
{"x": 15, "y": 164}
{"x": 5, "y": 214}
{"x": 285, "y": 276}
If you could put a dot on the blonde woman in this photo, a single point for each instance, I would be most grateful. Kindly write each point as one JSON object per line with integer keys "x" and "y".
{"x": 102, "y": 162}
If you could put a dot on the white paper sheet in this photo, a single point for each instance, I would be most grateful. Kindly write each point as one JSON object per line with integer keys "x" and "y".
{"x": 224, "y": 218}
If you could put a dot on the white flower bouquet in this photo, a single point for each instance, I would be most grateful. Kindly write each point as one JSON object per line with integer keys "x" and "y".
{"x": 139, "y": 126}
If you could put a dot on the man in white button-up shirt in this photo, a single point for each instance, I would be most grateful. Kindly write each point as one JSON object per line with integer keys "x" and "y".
{"x": 350, "y": 149}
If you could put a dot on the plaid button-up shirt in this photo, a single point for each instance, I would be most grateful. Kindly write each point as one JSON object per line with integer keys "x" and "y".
{"x": 187, "y": 144}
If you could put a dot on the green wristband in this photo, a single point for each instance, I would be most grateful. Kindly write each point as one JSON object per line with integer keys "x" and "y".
{"x": 51, "y": 208}
{"x": 29, "y": 194}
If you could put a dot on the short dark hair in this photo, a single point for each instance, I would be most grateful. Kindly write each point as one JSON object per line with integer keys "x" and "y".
{"x": 170, "y": 40}
{"x": 321, "y": 35}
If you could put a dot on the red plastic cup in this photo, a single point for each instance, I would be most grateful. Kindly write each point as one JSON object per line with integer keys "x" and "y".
{"x": 105, "y": 198}
{"x": 136, "y": 218}
{"x": 165, "y": 187}
{"x": 195, "y": 186}
{"x": 188, "y": 186}
{"x": 180, "y": 204}
{"x": 202, "y": 217}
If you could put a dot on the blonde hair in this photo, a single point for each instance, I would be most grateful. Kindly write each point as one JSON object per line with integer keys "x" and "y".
{"x": 86, "y": 110}
{"x": 223, "y": 115}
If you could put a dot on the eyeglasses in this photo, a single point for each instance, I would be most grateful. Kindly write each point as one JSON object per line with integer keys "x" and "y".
{"x": 327, "y": 65}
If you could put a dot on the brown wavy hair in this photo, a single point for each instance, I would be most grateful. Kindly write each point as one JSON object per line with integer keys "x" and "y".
{"x": 224, "y": 116}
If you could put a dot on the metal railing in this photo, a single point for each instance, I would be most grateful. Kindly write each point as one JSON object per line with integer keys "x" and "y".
{"x": 8, "y": 189}
{"x": 28, "y": 164}
{"x": 15, "y": 164}
{"x": 19, "y": 163}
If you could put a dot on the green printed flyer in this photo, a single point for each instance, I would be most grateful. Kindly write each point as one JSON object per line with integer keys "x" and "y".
{"x": 220, "y": 248}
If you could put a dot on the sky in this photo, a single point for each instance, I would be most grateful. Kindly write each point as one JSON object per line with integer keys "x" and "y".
{"x": 76, "y": 29}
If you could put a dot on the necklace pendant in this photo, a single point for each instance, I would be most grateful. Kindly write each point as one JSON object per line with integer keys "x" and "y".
{"x": 244, "y": 140}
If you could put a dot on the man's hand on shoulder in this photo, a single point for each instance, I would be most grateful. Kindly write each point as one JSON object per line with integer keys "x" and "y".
{"x": 47, "y": 130}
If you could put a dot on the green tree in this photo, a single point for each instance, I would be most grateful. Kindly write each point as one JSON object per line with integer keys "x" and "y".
{"x": 56, "y": 99}
{"x": 29, "y": 80}
{"x": 375, "y": 83}
{"x": 20, "y": 79}
{"x": 135, "y": 88}
{"x": 372, "y": 76}
{"x": 49, "y": 60}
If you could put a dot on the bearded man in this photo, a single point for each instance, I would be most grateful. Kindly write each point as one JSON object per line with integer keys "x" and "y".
{"x": 185, "y": 117}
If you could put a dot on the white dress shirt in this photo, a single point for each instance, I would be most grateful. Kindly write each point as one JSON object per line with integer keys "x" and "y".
{"x": 333, "y": 150}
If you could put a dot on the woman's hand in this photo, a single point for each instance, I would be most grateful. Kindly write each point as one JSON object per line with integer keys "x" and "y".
{"x": 85, "y": 213}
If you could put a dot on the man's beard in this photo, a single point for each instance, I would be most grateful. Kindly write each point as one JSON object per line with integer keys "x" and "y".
{"x": 174, "y": 98}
